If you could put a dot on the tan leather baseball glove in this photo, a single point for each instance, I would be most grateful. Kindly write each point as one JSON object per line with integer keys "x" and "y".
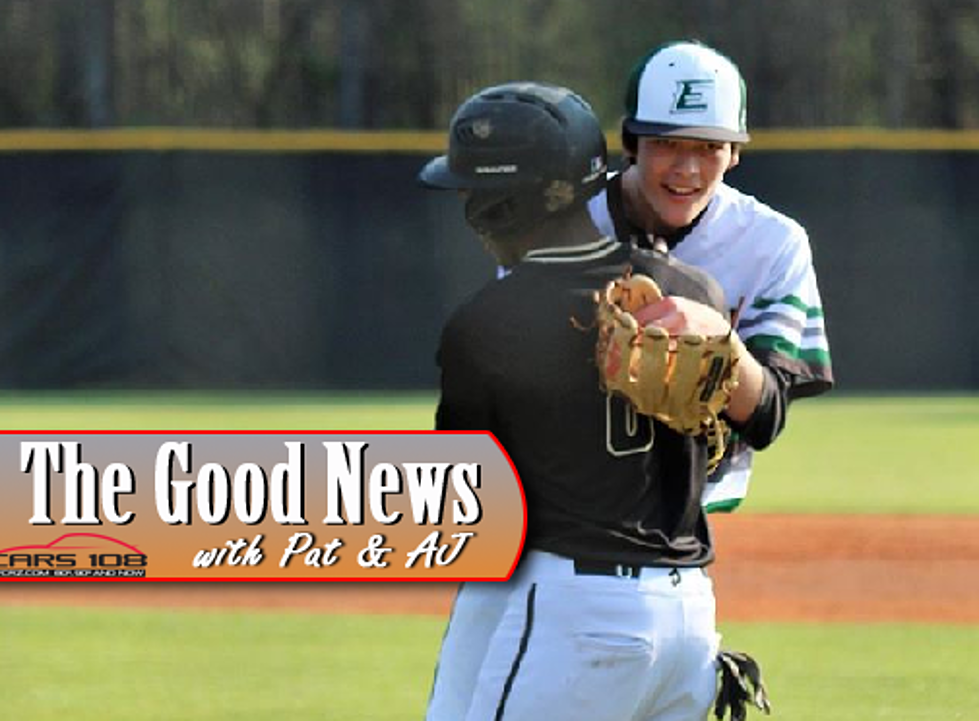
{"x": 683, "y": 381}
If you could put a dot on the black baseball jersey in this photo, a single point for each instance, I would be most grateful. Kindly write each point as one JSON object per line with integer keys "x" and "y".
{"x": 518, "y": 359}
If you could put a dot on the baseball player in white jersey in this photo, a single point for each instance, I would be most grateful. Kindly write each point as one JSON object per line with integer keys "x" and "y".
{"x": 685, "y": 123}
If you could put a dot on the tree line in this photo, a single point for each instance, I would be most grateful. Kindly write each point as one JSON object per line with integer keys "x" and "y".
{"x": 406, "y": 64}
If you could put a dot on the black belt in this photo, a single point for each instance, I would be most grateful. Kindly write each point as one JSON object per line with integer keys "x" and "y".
{"x": 583, "y": 567}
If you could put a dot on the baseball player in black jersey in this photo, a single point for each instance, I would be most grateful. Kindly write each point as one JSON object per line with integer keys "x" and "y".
{"x": 610, "y": 615}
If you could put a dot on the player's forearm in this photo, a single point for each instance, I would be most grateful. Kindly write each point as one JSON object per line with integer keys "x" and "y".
{"x": 751, "y": 383}
{"x": 760, "y": 402}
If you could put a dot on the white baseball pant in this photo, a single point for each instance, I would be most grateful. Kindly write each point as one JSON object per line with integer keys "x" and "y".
{"x": 573, "y": 645}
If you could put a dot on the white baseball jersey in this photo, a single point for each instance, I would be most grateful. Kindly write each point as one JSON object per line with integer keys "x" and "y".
{"x": 763, "y": 257}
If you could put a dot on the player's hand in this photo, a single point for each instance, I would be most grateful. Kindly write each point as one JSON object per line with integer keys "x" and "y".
{"x": 679, "y": 316}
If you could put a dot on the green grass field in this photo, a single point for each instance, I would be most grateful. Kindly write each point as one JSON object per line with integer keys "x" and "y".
{"x": 839, "y": 454}
{"x": 877, "y": 455}
{"x": 140, "y": 665}
{"x": 100, "y": 665}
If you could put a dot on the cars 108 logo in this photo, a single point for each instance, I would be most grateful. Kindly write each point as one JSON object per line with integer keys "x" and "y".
{"x": 74, "y": 555}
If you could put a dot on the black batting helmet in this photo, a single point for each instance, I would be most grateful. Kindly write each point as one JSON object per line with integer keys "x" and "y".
{"x": 525, "y": 151}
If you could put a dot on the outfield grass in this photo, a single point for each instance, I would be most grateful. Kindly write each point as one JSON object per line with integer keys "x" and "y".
{"x": 141, "y": 665}
{"x": 217, "y": 411}
{"x": 838, "y": 454}
{"x": 872, "y": 455}
{"x": 860, "y": 672}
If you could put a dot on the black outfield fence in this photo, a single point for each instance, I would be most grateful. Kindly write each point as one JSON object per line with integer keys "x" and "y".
{"x": 150, "y": 263}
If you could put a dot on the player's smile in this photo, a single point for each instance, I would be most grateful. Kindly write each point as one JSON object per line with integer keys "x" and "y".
{"x": 681, "y": 193}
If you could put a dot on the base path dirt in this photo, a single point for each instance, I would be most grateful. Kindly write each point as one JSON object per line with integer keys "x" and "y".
{"x": 769, "y": 567}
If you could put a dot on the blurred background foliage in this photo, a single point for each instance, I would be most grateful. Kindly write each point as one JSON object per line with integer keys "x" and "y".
{"x": 406, "y": 64}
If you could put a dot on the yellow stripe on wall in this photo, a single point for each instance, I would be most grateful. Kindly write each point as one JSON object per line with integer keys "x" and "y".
{"x": 864, "y": 139}
{"x": 258, "y": 141}
{"x": 415, "y": 142}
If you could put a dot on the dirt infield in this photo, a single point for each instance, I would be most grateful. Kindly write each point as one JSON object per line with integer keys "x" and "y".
{"x": 769, "y": 567}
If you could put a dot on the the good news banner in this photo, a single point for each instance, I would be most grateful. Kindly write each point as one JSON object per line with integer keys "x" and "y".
{"x": 263, "y": 506}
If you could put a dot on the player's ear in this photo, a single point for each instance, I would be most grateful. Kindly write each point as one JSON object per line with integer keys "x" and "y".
{"x": 735, "y": 156}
